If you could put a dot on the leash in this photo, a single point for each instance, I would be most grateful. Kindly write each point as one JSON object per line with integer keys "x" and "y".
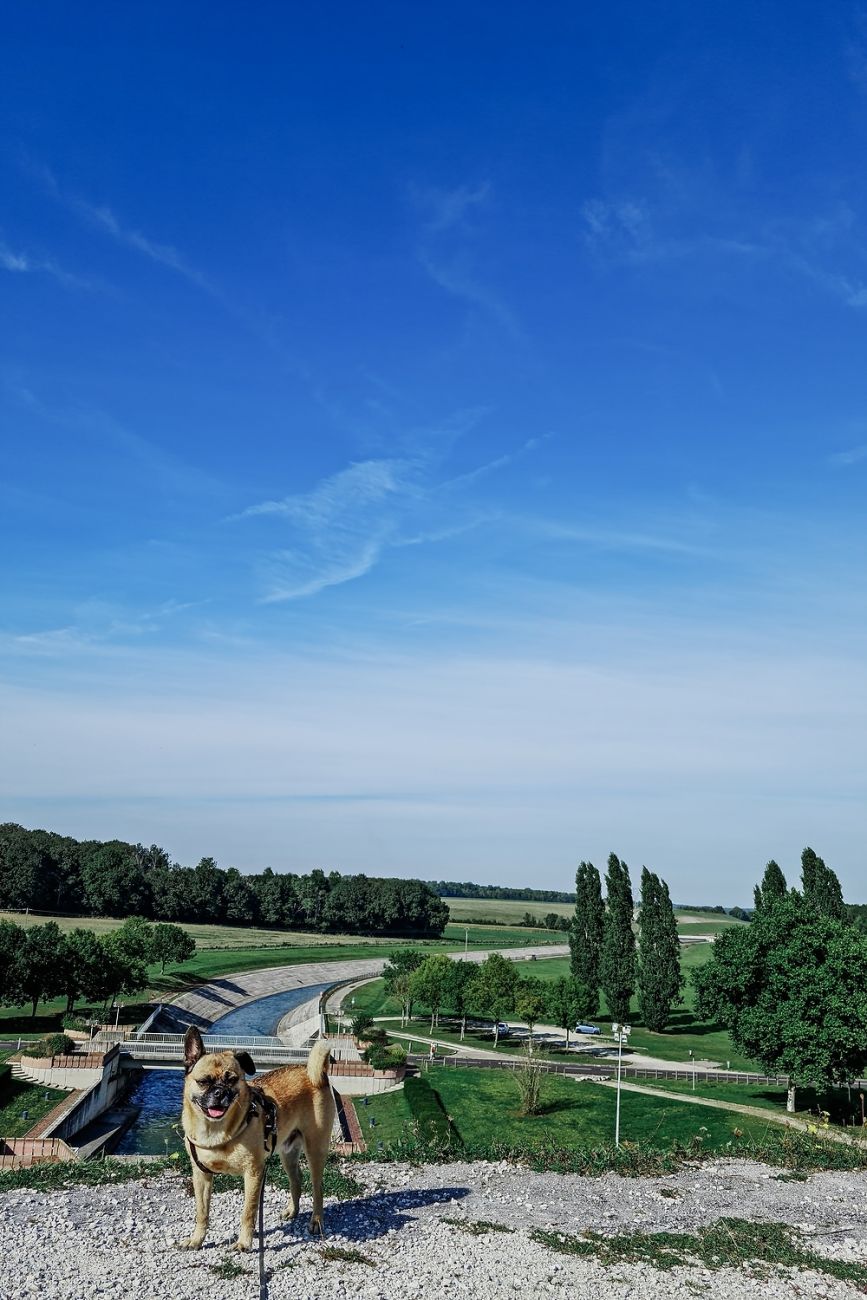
{"x": 269, "y": 1135}
{"x": 260, "y": 1103}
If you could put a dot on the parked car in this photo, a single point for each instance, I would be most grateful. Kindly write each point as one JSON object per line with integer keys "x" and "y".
{"x": 587, "y": 1029}
{"x": 503, "y": 1030}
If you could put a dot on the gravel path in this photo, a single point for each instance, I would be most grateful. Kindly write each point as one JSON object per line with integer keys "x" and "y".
{"x": 118, "y": 1241}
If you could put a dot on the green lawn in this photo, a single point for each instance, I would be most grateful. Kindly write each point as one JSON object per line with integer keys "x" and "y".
{"x": 23, "y": 1104}
{"x": 839, "y": 1104}
{"x": 390, "y": 1114}
{"x": 483, "y": 1106}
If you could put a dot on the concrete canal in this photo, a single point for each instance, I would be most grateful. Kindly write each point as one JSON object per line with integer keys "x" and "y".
{"x": 158, "y": 1093}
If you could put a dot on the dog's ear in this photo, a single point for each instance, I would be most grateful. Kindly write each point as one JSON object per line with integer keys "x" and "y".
{"x": 245, "y": 1061}
{"x": 194, "y": 1048}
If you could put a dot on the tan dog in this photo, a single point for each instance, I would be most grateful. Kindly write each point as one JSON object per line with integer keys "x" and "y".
{"x": 231, "y": 1127}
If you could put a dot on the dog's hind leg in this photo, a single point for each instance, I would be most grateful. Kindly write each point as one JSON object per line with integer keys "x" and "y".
{"x": 202, "y": 1184}
{"x": 289, "y": 1158}
{"x": 316, "y": 1150}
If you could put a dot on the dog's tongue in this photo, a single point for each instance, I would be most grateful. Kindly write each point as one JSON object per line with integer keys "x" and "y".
{"x": 216, "y": 1112}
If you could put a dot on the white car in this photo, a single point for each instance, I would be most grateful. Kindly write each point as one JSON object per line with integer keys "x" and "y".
{"x": 587, "y": 1029}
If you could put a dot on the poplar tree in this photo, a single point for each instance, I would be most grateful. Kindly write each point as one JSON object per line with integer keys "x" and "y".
{"x": 772, "y": 888}
{"x": 617, "y": 963}
{"x": 585, "y": 932}
{"x": 659, "y": 976}
{"x": 820, "y": 886}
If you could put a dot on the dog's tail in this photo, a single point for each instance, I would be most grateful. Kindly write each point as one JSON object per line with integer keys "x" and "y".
{"x": 318, "y": 1063}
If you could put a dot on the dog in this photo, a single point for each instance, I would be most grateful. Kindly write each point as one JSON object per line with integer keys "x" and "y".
{"x": 231, "y": 1127}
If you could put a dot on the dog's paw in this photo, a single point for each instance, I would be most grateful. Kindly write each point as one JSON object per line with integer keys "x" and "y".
{"x": 243, "y": 1244}
{"x": 289, "y": 1216}
{"x": 315, "y": 1227}
{"x": 191, "y": 1243}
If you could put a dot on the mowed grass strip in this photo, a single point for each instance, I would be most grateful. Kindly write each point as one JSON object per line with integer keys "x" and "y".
{"x": 23, "y": 1104}
{"x": 484, "y": 1108}
{"x": 513, "y": 910}
{"x": 243, "y": 937}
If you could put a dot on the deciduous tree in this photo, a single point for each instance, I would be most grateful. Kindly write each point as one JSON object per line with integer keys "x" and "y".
{"x": 791, "y": 988}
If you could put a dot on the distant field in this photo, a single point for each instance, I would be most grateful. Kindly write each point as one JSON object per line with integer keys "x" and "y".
{"x": 231, "y": 937}
{"x": 502, "y": 909}
{"x": 512, "y": 910}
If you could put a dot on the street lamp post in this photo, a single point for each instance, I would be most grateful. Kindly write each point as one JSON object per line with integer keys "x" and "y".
{"x": 621, "y": 1033}
{"x": 466, "y": 939}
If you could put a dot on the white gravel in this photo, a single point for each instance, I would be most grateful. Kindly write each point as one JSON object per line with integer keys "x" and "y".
{"x": 119, "y": 1241}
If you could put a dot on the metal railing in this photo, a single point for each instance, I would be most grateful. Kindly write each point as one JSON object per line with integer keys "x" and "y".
{"x": 264, "y": 1050}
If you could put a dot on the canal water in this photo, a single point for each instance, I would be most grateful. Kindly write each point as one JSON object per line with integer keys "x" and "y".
{"x": 157, "y": 1131}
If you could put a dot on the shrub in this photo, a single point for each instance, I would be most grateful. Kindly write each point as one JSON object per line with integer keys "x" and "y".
{"x": 75, "y": 1022}
{"x": 380, "y": 1056}
{"x": 528, "y": 1077}
{"x": 53, "y": 1045}
{"x": 361, "y": 1024}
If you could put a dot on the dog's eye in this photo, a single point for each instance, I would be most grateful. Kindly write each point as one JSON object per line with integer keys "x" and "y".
{"x": 205, "y": 1082}
{"x": 230, "y": 1078}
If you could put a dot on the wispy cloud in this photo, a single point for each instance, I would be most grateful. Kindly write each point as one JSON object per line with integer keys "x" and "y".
{"x": 18, "y": 263}
{"x": 447, "y": 254}
{"x": 444, "y": 209}
{"x": 851, "y": 456}
{"x": 346, "y": 523}
{"x": 103, "y": 218}
{"x": 457, "y": 279}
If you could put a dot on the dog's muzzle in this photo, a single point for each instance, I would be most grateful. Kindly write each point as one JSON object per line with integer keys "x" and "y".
{"x": 216, "y": 1101}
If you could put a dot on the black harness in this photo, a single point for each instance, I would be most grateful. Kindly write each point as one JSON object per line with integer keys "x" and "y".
{"x": 260, "y": 1104}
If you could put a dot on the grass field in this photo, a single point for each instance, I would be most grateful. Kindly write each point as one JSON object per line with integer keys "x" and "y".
{"x": 234, "y": 938}
{"x": 505, "y": 910}
{"x": 483, "y": 1106}
{"x": 839, "y": 1103}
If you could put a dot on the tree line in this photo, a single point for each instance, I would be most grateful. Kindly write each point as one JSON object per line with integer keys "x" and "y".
{"x": 491, "y": 990}
{"x": 791, "y": 987}
{"x": 40, "y": 962}
{"x": 43, "y": 871}
{"x": 466, "y": 889}
{"x": 605, "y": 957}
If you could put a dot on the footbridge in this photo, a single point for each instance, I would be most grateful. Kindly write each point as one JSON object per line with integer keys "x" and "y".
{"x": 166, "y": 1051}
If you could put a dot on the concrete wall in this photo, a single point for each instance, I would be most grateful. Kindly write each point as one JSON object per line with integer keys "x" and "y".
{"x": 98, "y": 1097}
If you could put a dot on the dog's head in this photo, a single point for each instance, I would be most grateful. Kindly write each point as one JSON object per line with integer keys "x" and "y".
{"x": 215, "y": 1080}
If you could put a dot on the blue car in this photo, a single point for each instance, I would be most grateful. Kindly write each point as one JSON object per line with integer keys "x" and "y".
{"x": 587, "y": 1029}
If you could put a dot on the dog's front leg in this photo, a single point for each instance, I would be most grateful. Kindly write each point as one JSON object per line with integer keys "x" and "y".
{"x": 202, "y": 1184}
{"x": 253, "y": 1179}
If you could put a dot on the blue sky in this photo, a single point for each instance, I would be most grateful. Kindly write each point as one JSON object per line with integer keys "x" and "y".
{"x": 435, "y": 439}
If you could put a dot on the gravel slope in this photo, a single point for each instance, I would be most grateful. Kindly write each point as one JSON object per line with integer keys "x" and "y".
{"x": 118, "y": 1241}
